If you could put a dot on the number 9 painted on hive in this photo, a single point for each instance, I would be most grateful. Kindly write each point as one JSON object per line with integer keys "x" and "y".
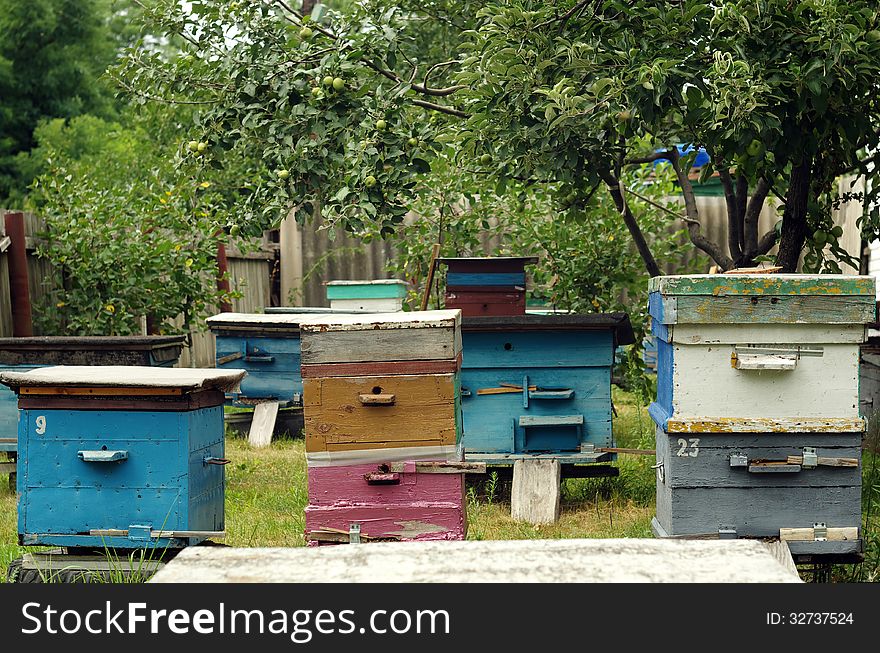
{"x": 41, "y": 424}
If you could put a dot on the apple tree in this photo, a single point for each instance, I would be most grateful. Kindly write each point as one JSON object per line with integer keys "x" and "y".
{"x": 348, "y": 106}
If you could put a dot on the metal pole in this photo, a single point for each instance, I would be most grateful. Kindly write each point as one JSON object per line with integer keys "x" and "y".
{"x": 19, "y": 290}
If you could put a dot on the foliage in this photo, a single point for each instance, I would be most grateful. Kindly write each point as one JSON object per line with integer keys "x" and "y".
{"x": 132, "y": 229}
{"x": 51, "y": 57}
{"x": 565, "y": 94}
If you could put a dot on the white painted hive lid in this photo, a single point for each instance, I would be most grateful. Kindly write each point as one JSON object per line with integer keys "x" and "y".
{"x": 450, "y": 318}
{"x": 126, "y": 376}
{"x": 365, "y": 282}
{"x": 279, "y": 319}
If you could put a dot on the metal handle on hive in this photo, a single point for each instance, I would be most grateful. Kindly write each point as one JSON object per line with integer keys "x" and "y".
{"x": 102, "y": 456}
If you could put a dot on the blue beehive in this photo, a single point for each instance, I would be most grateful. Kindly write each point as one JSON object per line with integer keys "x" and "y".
{"x": 120, "y": 457}
{"x": 534, "y": 385}
{"x": 24, "y": 354}
{"x": 267, "y": 347}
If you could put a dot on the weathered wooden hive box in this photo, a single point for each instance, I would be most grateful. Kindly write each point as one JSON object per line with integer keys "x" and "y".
{"x": 267, "y": 346}
{"x": 488, "y": 285}
{"x": 381, "y": 396}
{"x": 539, "y": 384}
{"x": 120, "y": 457}
{"x": 24, "y": 354}
{"x": 757, "y": 410}
{"x": 367, "y": 295}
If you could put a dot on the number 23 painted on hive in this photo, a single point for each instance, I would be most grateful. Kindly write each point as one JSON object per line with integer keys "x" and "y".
{"x": 688, "y": 447}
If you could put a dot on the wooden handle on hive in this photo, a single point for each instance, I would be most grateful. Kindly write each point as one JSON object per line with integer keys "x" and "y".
{"x": 377, "y": 399}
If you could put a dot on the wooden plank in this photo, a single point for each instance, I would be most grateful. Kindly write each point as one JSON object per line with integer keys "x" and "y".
{"x": 189, "y": 401}
{"x": 101, "y": 391}
{"x": 426, "y": 521}
{"x": 434, "y": 467}
{"x": 424, "y": 412}
{"x": 560, "y": 561}
{"x": 635, "y": 452}
{"x": 527, "y": 421}
{"x": 757, "y": 270}
{"x": 717, "y": 424}
{"x": 223, "y": 360}
{"x": 488, "y": 263}
{"x": 415, "y": 320}
{"x": 833, "y": 534}
{"x": 564, "y": 457}
{"x": 113, "y": 532}
{"x": 263, "y": 424}
{"x": 794, "y": 309}
{"x": 535, "y": 495}
{"x": 715, "y": 334}
{"x": 382, "y": 368}
{"x": 376, "y": 399}
{"x": 826, "y": 461}
{"x": 379, "y": 345}
{"x": 502, "y": 391}
{"x": 775, "y": 284}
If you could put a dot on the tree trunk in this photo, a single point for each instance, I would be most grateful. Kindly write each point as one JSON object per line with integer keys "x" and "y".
{"x": 307, "y": 7}
{"x": 794, "y": 218}
{"x": 631, "y": 224}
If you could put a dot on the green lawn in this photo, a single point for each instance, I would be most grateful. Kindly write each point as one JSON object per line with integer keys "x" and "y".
{"x": 266, "y": 493}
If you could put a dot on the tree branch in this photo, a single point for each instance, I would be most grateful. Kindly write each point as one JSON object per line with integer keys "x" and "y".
{"x": 659, "y": 206}
{"x": 734, "y": 227}
{"x": 390, "y": 74}
{"x": 656, "y": 156}
{"x": 693, "y": 223}
{"x": 768, "y": 240}
{"x": 564, "y": 17}
{"x": 616, "y": 188}
{"x": 437, "y": 66}
{"x": 742, "y": 199}
{"x": 440, "y": 108}
{"x": 751, "y": 245}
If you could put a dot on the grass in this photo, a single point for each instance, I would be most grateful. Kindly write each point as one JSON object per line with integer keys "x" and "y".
{"x": 266, "y": 493}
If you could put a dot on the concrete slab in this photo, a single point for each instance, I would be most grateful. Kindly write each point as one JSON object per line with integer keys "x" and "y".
{"x": 520, "y": 561}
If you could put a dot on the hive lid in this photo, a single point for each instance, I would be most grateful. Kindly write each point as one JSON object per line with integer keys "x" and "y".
{"x": 488, "y": 260}
{"x": 313, "y": 310}
{"x": 91, "y": 343}
{"x": 271, "y": 320}
{"x": 365, "y": 282}
{"x": 121, "y": 376}
{"x": 617, "y": 322}
{"x": 381, "y": 321}
{"x": 722, "y": 285}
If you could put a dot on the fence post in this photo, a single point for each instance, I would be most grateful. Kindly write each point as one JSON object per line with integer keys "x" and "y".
{"x": 223, "y": 276}
{"x": 19, "y": 289}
